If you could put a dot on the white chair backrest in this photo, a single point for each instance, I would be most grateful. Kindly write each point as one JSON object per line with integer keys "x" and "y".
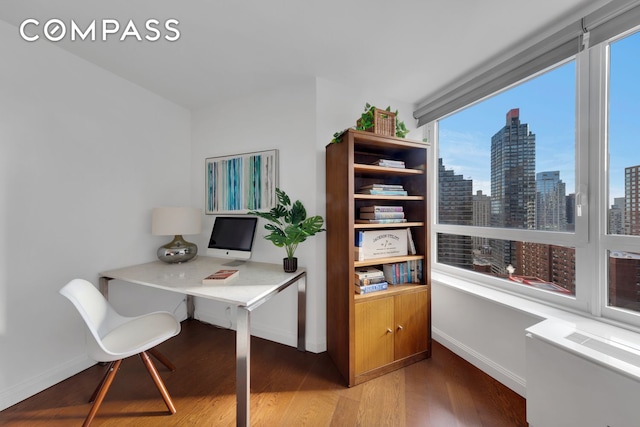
{"x": 99, "y": 316}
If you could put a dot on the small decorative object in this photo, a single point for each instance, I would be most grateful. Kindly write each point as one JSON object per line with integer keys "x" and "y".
{"x": 289, "y": 226}
{"x": 383, "y": 122}
{"x": 242, "y": 182}
{"x": 176, "y": 221}
{"x": 378, "y": 121}
{"x": 220, "y": 276}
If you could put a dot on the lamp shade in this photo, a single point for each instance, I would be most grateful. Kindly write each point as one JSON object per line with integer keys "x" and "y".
{"x": 172, "y": 221}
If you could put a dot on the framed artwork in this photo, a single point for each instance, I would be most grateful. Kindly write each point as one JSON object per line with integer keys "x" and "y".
{"x": 241, "y": 183}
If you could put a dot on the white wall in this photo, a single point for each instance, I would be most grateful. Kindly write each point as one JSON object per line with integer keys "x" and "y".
{"x": 488, "y": 334}
{"x": 84, "y": 157}
{"x": 284, "y": 119}
{"x": 339, "y": 106}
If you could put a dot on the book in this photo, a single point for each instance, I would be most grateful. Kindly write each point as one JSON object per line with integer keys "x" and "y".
{"x": 382, "y": 187}
{"x": 220, "y": 276}
{"x": 381, "y": 215}
{"x": 380, "y": 221}
{"x": 376, "y": 208}
{"x": 390, "y": 163}
{"x": 371, "y": 288}
{"x": 370, "y": 281}
{"x": 411, "y": 244}
{"x": 403, "y": 272}
{"x": 368, "y": 273}
{"x": 384, "y": 192}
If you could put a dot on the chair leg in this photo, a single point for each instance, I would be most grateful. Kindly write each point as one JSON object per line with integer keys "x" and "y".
{"x": 99, "y": 386}
{"x": 162, "y": 358}
{"x": 159, "y": 383}
{"x": 101, "y": 392}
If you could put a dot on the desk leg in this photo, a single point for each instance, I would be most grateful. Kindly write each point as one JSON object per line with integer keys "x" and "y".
{"x": 191, "y": 308}
{"x": 103, "y": 286}
{"x": 302, "y": 312}
{"x": 243, "y": 365}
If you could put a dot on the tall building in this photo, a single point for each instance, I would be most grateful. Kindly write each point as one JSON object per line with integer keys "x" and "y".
{"x": 481, "y": 218}
{"x": 624, "y": 280}
{"x": 455, "y": 206}
{"x": 550, "y": 263}
{"x": 551, "y": 211}
{"x": 616, "y": 216}
{"x": 632, "y": 200}
{"x": 513, "y": 185}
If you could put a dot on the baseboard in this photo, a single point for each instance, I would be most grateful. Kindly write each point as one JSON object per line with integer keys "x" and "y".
{"x": 34, "y": 385}
{"x": 490, "y": 367}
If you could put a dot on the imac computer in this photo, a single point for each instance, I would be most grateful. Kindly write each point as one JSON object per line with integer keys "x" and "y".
{"x": 232, "y": 237}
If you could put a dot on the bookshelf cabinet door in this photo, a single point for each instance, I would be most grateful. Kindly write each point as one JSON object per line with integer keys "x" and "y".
{"x": 374, "y": 334}
{"x": 411, "y": 335}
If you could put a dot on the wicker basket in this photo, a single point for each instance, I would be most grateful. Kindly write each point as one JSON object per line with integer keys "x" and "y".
{"x": 384, "y": 123}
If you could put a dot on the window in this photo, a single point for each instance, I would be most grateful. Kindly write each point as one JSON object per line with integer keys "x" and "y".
{"x": 539, "y": 183}
{"x": 509, "y": 162}
{"x": 624, "y": 175}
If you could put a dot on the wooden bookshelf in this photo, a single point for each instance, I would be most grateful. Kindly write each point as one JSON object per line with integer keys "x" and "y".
{"x": 371, "y": 334}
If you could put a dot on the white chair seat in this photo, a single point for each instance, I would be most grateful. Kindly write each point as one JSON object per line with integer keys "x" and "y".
{"x": 137, "y": 335}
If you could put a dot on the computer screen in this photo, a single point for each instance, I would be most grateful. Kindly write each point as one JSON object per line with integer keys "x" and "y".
{"x": 232, "y": 237}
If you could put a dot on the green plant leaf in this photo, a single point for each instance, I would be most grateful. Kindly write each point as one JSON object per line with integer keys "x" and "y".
{"x": 297, "y": 213}
{"x": 312, "y": 225}
{"x": 283, "y": 199}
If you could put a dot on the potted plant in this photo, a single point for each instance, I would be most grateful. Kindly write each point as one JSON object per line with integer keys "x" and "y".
{"x": 367, "y": 120}
{"x": 289, "y": 226}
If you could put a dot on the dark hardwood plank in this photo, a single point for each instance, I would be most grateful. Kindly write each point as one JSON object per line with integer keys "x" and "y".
{"x": 288, "y": 388}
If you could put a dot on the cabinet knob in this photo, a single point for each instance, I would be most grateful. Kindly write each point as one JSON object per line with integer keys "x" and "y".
{"x": 389, "y": 331}
{"x": 400, "y": 327}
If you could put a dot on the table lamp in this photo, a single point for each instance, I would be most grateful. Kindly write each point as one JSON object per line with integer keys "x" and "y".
{"x": 176, "y": 221}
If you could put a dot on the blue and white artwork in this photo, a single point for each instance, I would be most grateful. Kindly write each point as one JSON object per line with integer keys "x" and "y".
{"x": 241, "y": 183}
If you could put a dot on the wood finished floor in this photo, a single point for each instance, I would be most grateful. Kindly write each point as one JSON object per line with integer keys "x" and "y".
{"x": 288, "y": 388}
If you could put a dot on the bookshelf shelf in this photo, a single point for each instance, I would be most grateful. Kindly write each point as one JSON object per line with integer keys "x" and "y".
{"x": 382, "y": 170}
{"x": 374, "y": 333}
{"x": 381, "y": 197}
{"x": 378, "y": 261}
{"x": 397, "y": 225}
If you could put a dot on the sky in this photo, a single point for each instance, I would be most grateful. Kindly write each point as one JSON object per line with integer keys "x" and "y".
{"x": 547, "y": 105}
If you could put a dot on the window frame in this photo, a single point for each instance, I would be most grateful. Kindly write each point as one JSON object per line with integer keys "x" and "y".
{"x": 590, "y": 239}
{"x": 600, "y": 69}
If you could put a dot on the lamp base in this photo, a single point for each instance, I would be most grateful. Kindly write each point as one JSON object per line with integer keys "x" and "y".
{"x": 178, "y": 250}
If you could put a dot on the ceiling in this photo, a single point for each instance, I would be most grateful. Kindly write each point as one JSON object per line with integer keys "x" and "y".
{"x": 402, "y": 49}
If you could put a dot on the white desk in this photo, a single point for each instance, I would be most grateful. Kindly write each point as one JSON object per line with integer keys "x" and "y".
{"x": 256, "y": 284}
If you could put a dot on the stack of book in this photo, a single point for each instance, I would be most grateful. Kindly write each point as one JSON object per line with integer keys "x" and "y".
{"x": 369, "y": 280}
{"x": 390, "y": 163}
{"x": 383, "y": 189}
{"x": 381, "y": 215}
{"x": 403, "y": 272}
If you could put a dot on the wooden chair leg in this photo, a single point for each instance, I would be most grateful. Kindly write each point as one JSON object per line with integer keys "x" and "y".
{"x": 162, "y": 358}
{"x": 104, "y": 378}
{"x": 159, "y": 383}
{"x": 102, "y": 392}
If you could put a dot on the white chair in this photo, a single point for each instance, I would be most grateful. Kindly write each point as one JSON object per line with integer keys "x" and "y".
{"x": 116, "y": 337}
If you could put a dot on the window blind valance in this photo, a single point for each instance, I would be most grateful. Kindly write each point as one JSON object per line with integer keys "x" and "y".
{"x": 606, "y": 22}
